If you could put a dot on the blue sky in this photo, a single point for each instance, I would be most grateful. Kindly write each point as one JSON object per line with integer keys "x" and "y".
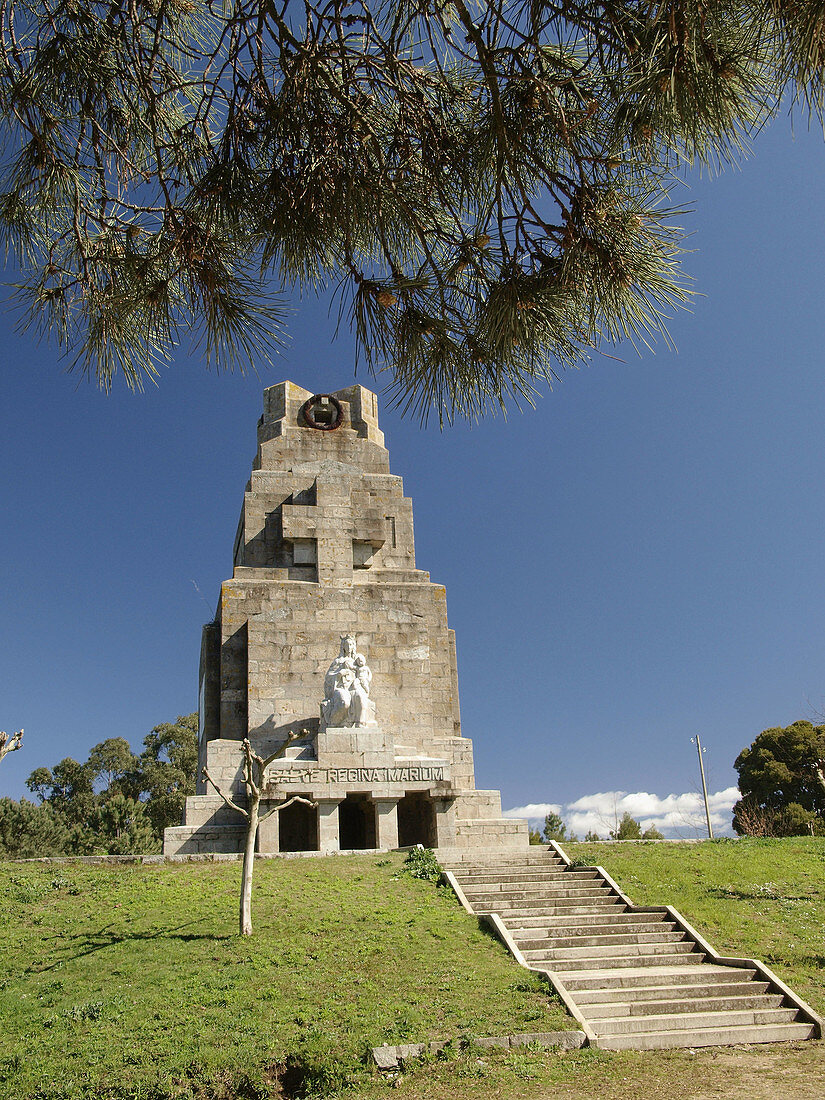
{"x": 637, "y": 560}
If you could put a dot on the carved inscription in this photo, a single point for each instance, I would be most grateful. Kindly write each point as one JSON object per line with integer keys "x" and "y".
{"x": 311, "y": 776}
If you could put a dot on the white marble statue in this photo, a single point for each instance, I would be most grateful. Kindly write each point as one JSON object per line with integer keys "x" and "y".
{"x": 347, "y": 688}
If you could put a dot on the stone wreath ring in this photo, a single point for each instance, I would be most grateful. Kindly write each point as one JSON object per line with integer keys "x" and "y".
{"x": 323, "y": 412}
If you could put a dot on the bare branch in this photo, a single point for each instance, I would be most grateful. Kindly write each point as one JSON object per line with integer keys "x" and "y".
{"x": 279, "y": 752}
{"x": 251, "y": 763}
{"x": 283, "y": 805}
{"x": 10, "y": 742}
{"x": 226, "y": 798}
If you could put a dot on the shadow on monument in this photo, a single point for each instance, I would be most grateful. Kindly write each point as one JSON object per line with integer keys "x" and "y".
{"x": 356, "y": 823}
{"x": 416, "y": 821}
{"x": 298, "y": 829}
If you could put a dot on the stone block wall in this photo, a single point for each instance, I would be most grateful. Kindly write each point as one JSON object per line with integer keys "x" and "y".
{"x": 325, "y": 547}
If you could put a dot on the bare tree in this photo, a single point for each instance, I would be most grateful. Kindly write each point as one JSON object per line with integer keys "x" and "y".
{"x": 254, "y": 767}
{"x": 10, "y": 742}
{"x": 755, "y": 820}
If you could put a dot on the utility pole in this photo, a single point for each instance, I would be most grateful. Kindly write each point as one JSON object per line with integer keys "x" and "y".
{"x": 695, "y": 741}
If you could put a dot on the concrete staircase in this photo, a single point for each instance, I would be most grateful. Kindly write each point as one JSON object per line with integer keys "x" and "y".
{"x": 635, "y": 977}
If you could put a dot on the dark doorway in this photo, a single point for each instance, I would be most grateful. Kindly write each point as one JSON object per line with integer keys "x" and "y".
{"x": 298, "y": 828}
{"x": 356, "y": 823}
{"x": 416, "y": 821}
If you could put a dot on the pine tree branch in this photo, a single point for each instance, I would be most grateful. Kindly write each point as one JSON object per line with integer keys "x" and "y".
{"x": 220, "y": 152}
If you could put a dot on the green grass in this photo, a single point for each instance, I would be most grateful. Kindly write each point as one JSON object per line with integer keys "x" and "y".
{"x": 130, "y": 981}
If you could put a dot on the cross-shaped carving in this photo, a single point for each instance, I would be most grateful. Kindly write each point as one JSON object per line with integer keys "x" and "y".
{"x": 334, "y": 525}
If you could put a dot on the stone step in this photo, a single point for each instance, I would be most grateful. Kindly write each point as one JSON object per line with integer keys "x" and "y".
{"x": 620, "y": 962}
{"x": 676, "y": 1004}
{"x": 712, "y": 1037}
{"x": 592, "y": 927}
{"x": 610, "y": 951}
{"x": 528, "y": 940}
{"x": 649, "y": 976}
{"x": 569, "y": 905}
{"x": 569, "y": 923}
{"x": 695, "y": 1021}
{"x": 638, "y": 978}
{"x": 591, "y": 999}
{"x": 602, "y": 905}
{"x": 557, "y": 884}
{"x": 540, "y": 893}
{"x": 505, "y": 862}
{"x": 502, "y": 879}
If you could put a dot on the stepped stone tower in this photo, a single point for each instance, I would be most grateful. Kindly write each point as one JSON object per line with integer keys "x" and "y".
{"x": 327, "y": 629}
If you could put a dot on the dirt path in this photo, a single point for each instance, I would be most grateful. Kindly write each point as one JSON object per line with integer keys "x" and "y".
{"x": 793, "y": 1071}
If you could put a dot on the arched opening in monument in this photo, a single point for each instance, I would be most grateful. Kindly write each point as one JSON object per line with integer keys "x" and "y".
{"x": 416, "y": 821}
{"x": 298, "y": 828}
{"x": 356, "y": 823}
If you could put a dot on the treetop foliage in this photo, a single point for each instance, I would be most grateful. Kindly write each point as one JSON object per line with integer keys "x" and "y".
{"x": 555, "y": 829}
{"x": 630, "y": 829}
{"x": 782, "y": 782}
{"x": 485, "y": 183}
{"x": 28, "y": 830}
{"x": 115, "y": 802}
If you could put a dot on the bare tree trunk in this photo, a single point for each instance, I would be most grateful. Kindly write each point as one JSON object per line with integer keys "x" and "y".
{"x": 254, "y": 775}
{"x": 248, "y": 867}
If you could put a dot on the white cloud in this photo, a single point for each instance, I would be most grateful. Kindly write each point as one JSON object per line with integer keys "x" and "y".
{"x": 535, "y": 811}
{"x": 675, "y": 815}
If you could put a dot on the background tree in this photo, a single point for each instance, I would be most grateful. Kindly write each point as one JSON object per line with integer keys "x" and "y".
{"x": 103, "y": 820}
{"x": 167, "y": 769}
{"x": 627, "y": 829}
{"x": 28, "y": 830}
{"x": 119, "y": 802}
{"x": 69, "y": 790}
{"x": 631, "y": 829}
{"x": 111, "y": 764}
{"x": 555, "y": 829}
{"x": 485, "y": 185}
{"x": 9, "y": 742}
{"x": 592, "y": 837}
{"x": 782, "y": 782}
{"x": 121, "y": 826}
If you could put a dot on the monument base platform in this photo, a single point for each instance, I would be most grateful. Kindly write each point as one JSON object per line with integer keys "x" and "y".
{"x": 360, "y": 820}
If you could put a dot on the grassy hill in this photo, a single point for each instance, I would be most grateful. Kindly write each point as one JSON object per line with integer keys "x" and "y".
{"x": 129, "y": 983}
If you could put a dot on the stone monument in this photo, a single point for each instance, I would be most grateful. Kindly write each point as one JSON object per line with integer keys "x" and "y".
{"x": 324, "y": 561}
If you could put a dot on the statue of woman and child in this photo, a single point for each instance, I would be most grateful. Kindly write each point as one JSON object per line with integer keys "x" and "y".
{"x": 347, "y": 688}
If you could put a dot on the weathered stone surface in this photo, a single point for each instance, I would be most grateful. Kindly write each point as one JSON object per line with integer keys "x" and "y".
{"x": 385, "y": 1057}
{"x": 391, "y": 1058}
{"x": 325, "y": 549}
